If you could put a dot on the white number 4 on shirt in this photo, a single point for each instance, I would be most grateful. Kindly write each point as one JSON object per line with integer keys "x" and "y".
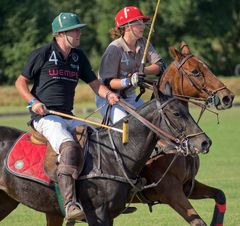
{"x": 53, "y": 57}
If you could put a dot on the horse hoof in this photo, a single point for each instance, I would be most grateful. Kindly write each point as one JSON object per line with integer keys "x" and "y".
{"x": 129, "y": 210}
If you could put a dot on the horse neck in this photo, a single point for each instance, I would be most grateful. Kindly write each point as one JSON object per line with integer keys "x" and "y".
{"x": 140, "y": 146}
{"x": 141, "y": 140}
{"x": 171, "y": 76}
{"x": 8, "y": 137}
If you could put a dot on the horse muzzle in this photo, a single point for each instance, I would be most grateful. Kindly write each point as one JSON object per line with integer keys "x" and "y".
{"x": 190, "y": 147}
{"x": 225, "y": 99}
{"x": 205, "y": 146}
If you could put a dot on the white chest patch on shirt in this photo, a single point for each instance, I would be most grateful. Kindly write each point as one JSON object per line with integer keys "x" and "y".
{"x": 125, "y": 59}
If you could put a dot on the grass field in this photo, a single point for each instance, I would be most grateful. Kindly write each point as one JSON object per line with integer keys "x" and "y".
{"x": 219, "y": 168}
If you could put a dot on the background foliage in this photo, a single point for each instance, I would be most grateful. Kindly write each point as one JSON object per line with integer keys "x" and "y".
{"x": 211, "y": 28}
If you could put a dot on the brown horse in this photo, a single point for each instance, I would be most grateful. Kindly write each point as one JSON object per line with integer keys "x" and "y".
{"x": 112, "y": 167}
{"x": 189, "y": 77}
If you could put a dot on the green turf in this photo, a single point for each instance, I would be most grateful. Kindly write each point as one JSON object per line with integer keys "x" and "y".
{"x": 219, "y": 168}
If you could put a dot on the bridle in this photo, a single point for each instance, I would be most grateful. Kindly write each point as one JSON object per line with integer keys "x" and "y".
{"x": 184, "y": 147}
{"x": 212, "y": 98}
{"x": 180, "y": 140}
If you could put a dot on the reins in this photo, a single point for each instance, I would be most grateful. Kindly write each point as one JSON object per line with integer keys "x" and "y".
{"x": 148, "y": 124}
{"x": 202, "y": 106}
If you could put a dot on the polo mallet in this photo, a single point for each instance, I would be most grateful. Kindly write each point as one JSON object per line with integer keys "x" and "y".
{"x": 124, "y": 131}
{"x": 141, "y": 69}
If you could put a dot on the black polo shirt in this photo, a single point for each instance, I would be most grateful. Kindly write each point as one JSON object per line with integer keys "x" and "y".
{"x": 55, "y": 79}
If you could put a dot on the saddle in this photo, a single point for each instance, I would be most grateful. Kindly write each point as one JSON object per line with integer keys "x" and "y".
{"x": 51, "y": 157}
{"x": 32, "y": 156}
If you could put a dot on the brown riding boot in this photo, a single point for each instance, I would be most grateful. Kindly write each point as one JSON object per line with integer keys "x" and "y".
{"x": 69, "y": 168}
{"x": 67, "y": 188}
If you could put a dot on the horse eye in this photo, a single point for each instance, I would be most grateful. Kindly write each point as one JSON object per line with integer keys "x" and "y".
{"x": 176, "y": 114}
{"x": 196, "y": 73}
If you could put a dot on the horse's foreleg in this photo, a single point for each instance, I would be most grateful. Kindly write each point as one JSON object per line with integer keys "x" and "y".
{"x": 54, "y": 220}
{"x": 176, "y": 198}
{"x": 202, "y": 191}
{"x": 97, "y": 220}
{"x": 99, "y": 217}
{"x": 7, "y": 205}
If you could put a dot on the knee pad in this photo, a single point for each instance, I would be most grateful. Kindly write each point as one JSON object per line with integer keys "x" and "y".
{"x": 71, "y": 159}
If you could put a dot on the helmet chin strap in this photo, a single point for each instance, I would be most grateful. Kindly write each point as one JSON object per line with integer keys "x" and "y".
{"x": 67, "y": 40}
{"x": 132, "y": 32}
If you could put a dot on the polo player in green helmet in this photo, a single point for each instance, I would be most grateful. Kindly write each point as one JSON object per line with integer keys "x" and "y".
{"x": 55, "y": 70}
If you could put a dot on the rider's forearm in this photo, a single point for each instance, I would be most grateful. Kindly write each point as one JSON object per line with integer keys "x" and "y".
{"x": 99, "y": 89}
{"x": 152, "y": 69}
{"x": 23, "y": 89}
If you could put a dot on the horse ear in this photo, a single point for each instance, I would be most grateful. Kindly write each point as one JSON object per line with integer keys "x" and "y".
{"x": 168, "y": 89}
{"x": 184, "y": 48}
{"x": 175, "y": 53}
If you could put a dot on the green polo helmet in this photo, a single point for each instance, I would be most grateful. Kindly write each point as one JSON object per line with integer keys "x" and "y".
{"x": 65, "y": 22}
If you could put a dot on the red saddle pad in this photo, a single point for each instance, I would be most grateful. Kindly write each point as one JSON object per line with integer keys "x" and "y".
{"x": 26, "y": 160}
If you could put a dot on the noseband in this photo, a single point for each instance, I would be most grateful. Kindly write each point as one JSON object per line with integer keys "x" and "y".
{"x": 212, "y": 98}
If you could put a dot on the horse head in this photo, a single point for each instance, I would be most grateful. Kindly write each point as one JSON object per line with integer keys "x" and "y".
{"x": 191, "y": 77}
{"x": 177, "y": 119}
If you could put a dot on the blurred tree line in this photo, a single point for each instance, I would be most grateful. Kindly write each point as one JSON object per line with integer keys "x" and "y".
{"x": 210, "y": 27}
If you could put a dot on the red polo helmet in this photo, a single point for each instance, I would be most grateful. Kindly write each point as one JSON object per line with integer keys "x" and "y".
{"x": 129, "y": 14}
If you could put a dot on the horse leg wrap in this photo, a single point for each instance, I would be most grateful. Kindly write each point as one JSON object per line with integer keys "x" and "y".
{"x": 219, "y": 210}
{"x": 218, "y": 215}
{"x": 196, "y": 220}
{"x": 71, "y": 160}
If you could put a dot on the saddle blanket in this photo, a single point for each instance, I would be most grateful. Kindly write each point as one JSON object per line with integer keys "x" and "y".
{"x": 26, "y": 160}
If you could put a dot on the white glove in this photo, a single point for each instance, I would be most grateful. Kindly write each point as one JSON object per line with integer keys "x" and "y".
{"x": 134, "y": 79}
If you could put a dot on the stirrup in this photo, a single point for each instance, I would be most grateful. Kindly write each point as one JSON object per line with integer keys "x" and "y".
{"x": 78, "y": 217}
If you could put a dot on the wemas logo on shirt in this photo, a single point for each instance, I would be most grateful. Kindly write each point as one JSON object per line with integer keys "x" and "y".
{"x": 64, "y": 73}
